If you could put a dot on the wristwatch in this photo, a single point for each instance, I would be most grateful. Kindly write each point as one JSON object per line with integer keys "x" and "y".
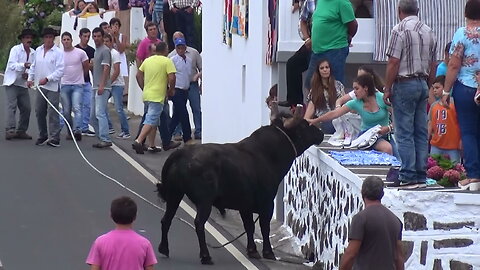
{"x": 445, "y": 93}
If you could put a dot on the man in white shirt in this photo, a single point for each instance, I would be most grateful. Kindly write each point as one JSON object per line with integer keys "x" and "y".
{"x": 118, "y": 84}
{"x": 46, "y": 72}
{"x": 183, "y": 64}
{"x": 15, "y": 82}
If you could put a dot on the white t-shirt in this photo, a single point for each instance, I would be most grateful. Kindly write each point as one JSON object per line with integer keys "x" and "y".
{"x": 73, "y": 70}
{"x": 116, "y": 59}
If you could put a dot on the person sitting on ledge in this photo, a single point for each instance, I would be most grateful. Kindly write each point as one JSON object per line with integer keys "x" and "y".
{"x": 371, "y": 108}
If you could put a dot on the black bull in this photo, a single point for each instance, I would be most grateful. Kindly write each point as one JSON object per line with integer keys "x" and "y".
{"x": 243, "y": 176}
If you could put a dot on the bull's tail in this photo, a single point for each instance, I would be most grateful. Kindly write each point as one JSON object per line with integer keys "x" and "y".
{"x": 162, "y": 187}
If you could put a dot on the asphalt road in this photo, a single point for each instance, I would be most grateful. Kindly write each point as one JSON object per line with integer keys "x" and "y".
{"x": 53, "y": 206}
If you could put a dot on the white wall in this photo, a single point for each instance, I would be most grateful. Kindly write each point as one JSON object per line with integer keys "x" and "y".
{"x": 236, "y": 80}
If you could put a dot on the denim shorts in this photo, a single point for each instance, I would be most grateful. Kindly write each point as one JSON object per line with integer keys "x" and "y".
{"x": 154, "y": 109}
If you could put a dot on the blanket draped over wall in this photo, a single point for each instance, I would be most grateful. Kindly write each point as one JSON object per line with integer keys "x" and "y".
{"x": 235, "y": 19}
{"x": 443, "y": 16}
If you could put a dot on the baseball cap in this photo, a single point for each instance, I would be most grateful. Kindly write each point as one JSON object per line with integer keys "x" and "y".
{"x": 180, "y": 41}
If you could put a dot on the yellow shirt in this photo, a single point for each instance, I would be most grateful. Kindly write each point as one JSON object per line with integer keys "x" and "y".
{"x": 156, "y": 69}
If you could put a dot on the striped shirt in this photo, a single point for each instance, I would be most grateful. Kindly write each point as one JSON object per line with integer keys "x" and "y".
{"x": 308, "y": 8}
{"x": 183, "y": 3}
{"x": 414, "y": 43}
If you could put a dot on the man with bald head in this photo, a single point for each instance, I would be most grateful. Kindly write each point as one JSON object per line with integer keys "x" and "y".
{"x": 194, "y": 90}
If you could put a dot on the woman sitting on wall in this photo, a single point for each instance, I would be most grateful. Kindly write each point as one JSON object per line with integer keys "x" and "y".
{"x": 323, "y": 95}
{"x": 80, "y": 5}
{"x": 90, "y": 10}
{"x": 371, "y": 108}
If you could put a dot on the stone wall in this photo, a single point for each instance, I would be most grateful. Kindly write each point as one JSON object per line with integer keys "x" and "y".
{"x": 441, "y": 230}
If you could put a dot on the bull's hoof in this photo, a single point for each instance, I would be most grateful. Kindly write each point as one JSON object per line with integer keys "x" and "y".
{"x": 253, "y": 253}
{"x": 269, "y": 255}
{"x": 207, "y": 260}
{"x": 163, "y": 249}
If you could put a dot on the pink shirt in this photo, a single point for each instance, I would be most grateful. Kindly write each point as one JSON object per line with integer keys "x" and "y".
{"x": 121, "y": 250}
{"x": 73, "y": 70}
{"x": 142, "y": 50}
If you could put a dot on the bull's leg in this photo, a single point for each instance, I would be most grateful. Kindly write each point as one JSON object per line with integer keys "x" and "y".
{"x": 203, "y": 212}
{"x": 173, "y": 201}
{"x": 247, "y": 218}
{"x": 265, "y": 218}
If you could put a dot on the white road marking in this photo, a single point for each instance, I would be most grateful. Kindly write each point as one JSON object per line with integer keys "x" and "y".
{"x": 190, "y": 211}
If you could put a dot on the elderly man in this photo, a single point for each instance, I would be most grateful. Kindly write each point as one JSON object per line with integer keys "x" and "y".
{"x": 193, "y": 90}
{"x": 183, "y": 12}
{"x": 15, "y": 82}
{"x": 333, "y": 27}
{"x": 375, "y": 236}
{"x": 411, "y": 52}
{"x": 46, "y": 72}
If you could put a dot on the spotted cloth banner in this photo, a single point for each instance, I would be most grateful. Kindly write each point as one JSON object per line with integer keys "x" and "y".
{"x": 443, "y": 16}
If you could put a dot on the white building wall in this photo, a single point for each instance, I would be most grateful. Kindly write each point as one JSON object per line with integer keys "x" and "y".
{"x": 236, "y": 79}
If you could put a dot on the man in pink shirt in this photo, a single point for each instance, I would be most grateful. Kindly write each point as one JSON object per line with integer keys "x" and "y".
{"x": 122, "y": 248}
{"x": 71, "y": 90}
{"x": 142, "y": 50}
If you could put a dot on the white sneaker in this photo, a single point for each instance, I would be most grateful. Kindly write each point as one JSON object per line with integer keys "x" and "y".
{"x": 123, "y": 135}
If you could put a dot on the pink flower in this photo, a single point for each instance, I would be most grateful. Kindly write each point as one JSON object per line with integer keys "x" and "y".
{"x": 431, "y": 162}
{"x": 452, "y": 175}
{"x": 459, "y": 168}
{"x": 435, "y": 172}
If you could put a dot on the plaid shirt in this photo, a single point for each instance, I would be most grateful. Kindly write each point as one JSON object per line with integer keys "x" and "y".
{"x": 414, "y": 43}
{"x": 306, "y": 13}
{"x": 183, "y": 3}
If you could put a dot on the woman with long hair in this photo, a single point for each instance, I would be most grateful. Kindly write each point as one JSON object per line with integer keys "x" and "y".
{"x": 362, "y": 70}
{"x": 371, "y": 108}
{"x": 324, "y": 93}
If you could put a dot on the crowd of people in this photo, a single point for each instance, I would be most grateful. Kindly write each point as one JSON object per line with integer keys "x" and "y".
{"x": 62, "y": 75}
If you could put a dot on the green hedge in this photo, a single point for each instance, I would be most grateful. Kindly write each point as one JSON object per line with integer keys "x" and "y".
{"x": 10, "y": 27}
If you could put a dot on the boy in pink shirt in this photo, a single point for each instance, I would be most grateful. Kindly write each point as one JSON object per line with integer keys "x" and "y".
{"x": 122, "y": 248}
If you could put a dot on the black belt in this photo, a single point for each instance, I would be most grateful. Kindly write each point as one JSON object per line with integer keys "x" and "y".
{"x": 411, "y": 77}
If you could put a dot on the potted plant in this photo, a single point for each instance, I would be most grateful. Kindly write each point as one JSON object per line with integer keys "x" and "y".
{"x": 446, "y": 172}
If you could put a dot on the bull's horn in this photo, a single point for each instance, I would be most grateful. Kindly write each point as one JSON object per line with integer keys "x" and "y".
{"x": 273, "y": 110}
{"x": 298, "y": 111}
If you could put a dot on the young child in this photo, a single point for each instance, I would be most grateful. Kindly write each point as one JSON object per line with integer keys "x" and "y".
{"x": 122, "y": 248}
{"x": 443, "y": 126}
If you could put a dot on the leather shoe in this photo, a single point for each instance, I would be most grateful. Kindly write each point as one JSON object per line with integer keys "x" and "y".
{"x": 10, "y": 135}
{"x": 22, "y": 135}
{"x": 171, "y": 145}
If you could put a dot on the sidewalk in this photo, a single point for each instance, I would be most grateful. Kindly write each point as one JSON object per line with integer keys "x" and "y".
{"x": 232, "y": 224}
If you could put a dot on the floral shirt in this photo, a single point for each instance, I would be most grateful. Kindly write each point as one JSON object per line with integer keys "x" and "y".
{"x": 340, "y": 92}
{"x": 466, "y": 46}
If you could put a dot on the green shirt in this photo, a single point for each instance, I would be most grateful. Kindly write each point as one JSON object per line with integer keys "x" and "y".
{"x": 371, "y": 119}
{"x": 329, "y": 25}
{"x": 156, "y": 69}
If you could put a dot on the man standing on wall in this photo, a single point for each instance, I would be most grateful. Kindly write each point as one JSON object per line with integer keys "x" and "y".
{"x": 375, "y": 237}
{"x": 194, "y": 89}
{"x": 183, "y": 13}
{"x": 298, "y": 63}
{"x": 333, "y": 27}
{"x": 411, "y": 52}
{"x": 15, "y": 82}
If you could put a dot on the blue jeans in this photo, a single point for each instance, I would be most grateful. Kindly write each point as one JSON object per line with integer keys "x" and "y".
{"x": 184, "y": 23}
{"x": 117, "y": 93}
{"x": 409, "y": 102}
{"x": 180, "y": 113}
{"x": 99, "y": 115}
{"x": 86, "y": 100}
{"x": 71, "y": 95}
{"x": 336, "y": 58}
{"x": 468, "y": 114}
{"x": 454, "y": 154}
{"x": 195, "y": 104}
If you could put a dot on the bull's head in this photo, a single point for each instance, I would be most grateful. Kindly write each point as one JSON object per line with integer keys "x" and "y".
{"x": 301, "y": 133}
